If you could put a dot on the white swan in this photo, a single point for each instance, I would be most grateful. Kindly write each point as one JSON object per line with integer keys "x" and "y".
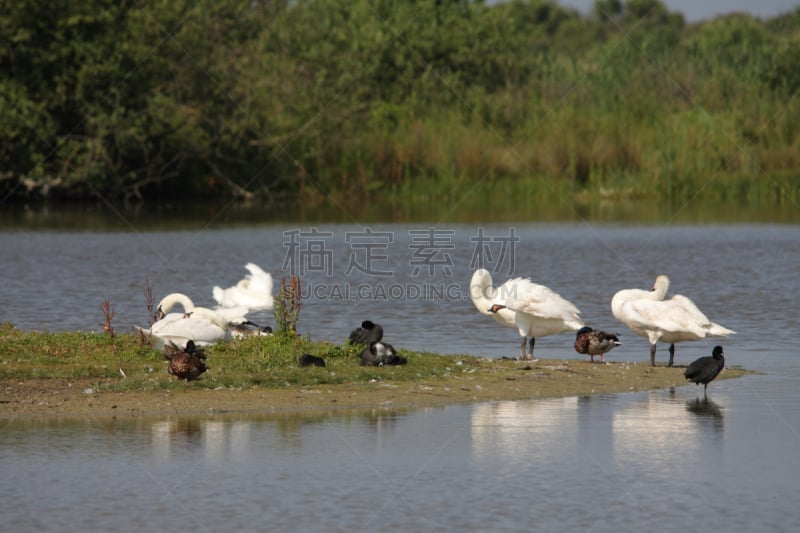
{"x": 677, "y": 319}
{"x": 535, "y": 310}
{"x": 253, "y": 292}
{"x": 202, "y": 325}
{"x": 484, "y": 295}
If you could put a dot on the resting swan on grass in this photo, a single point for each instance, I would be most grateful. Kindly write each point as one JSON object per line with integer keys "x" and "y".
{"x": 199, "y": 324}
{"x": 533, "y": 309}
{"x": 254, "y": 291}
{"x": 677, "y": 319}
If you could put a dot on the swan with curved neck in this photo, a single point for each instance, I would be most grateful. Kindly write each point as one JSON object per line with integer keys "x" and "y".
{"x": 533, "y": 309}
{"x": 199, "y": 324}
{"x": 677, "y": 319}
{"x": 223, "y": 317}
{"x": 484, "y": 295}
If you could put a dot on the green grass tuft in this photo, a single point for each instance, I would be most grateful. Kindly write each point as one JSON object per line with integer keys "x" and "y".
{"x": 269, "y": 362}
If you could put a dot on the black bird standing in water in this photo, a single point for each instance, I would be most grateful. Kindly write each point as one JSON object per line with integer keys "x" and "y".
{"x": 705, "y": 369}
{"x": 368, "y": 333}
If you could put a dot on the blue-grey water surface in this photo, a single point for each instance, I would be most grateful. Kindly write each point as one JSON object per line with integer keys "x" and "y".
{"x": 640, "y": 461}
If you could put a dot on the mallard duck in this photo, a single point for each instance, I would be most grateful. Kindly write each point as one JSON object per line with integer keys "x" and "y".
{"x": 705, "y": 369}
{"x": 591, "y": 342}
{"x": 368, "y": 333}
{"x": 185, "y": 363}
{"x": 249, "y": 329}
{"x": 380, "y": 354}
{"x": 538, "y": 311}
{"x": 677, "y": 319}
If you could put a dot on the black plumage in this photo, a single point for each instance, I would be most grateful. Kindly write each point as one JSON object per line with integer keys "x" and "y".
{"x": 185, "y": 363}
{"x": 380, "y": 354}
{"x": 310, "y": 360}
{"x": 368, "y": 333}
{"x": 592, "y": 342}
{"x": 705, "y": 369}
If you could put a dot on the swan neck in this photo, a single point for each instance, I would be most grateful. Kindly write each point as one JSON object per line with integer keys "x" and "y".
{"x": 481, "y": 290}
{"x": 176, "y": 298}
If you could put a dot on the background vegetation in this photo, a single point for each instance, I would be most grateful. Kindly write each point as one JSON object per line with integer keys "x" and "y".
{"x": 353, "y": 99}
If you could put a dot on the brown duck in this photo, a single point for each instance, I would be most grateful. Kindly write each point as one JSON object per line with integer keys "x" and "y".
{"x": 592, "y": 342}
{"x": 185, "y": 363}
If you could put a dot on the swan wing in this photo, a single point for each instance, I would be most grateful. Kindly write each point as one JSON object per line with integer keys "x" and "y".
{"x": 200, "y": 330}
{"x": 232, "y": 315}
{"x": 660, "y": 316}
{"x": 695, "y": 316}
{"x": 253, "y": 292}
{"x": 260, "y": 281}
{"x": 540, "y": 301}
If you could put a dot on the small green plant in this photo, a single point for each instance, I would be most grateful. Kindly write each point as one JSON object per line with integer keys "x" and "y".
{"x": 288, "y": 305}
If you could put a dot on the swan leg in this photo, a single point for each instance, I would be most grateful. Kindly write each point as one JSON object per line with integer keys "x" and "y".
{"x": 601, "y": 358}
{"x": 530, "y": 348}
{"x": 522, "y": 349}
{"x": 653, "y": 354}
{"x": 671, "y": 354}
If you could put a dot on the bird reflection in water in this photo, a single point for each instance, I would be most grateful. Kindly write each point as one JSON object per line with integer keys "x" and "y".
{"x": 706, "y": 411}
{"x": 704, "y": 407}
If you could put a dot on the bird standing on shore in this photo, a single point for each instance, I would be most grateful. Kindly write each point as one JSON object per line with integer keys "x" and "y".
{"x": 591, "y": 342}
{"x": 677, "y": 319}
{"x": 538, "y": 311}
{"x": 705, "y": 369}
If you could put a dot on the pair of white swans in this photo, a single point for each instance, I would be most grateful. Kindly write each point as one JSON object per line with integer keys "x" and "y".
{"x": 536, "y": 311}
{"x": 207, "y": 326}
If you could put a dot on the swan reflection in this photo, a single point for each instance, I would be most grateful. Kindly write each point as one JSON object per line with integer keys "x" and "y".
{"x": 217, "y": 439}
{"x": 524, "y": 430}
{"x": 657, "y": 427}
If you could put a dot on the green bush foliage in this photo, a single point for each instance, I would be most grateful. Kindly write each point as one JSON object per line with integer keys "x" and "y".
{"x": 319, "y": 97}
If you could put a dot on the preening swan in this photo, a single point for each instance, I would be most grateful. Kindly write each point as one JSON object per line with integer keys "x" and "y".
{"x": 676, "y": 319}
{"x": 536, "y": 310}
{"x": 253, "y": 292}
{"x": 199, "y": 324}
{"x": 484, "y": 295}
{"x": 591, "y": 342}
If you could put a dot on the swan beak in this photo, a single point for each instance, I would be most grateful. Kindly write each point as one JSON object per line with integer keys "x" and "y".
{"x": 159, "y": 313}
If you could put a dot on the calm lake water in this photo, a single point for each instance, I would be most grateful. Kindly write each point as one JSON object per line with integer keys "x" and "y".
{"x": 640, "y": 461}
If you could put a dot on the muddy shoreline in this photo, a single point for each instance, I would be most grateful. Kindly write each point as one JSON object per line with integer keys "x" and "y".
{"x": 495, "y": 381}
